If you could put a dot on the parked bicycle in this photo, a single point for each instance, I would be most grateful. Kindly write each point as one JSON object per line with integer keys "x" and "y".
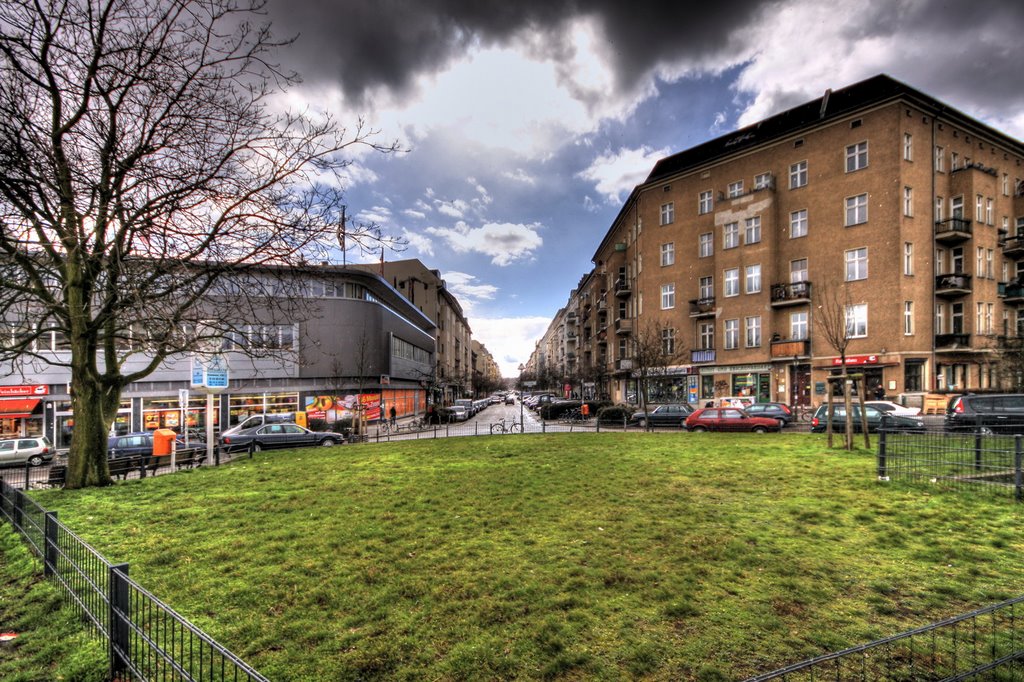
{"x": 417, "y": 424}
{"x": 503, "y": 427}
{"x": 573, "y": 416}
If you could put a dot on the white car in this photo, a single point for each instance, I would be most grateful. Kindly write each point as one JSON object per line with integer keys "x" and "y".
{"x": 459, "y": 413}
{"x": 892, "y": 408}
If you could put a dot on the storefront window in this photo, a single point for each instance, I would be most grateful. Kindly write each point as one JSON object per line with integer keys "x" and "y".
{"x": 242, "y": 406}
{"x": 913, "y": 376}
{"x": 757, "y": 385}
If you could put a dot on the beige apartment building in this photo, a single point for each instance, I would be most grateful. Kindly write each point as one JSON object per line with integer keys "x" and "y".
{"x": 876, "y": 199}
{"x": 453, "y": 372}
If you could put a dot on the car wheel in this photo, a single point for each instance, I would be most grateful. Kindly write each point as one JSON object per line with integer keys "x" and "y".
{"x": 327, "y": 442}
{"x": 257, "y": 447}
{"x": 699, "y": 429}
{"x": 760, "y": 429}
{"x": 642, "y": 423}
{"x": 35, "y": 460}
{"x": 682, "y": 423}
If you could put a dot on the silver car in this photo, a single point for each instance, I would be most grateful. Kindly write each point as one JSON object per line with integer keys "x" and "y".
{"x": 33, "y": 450}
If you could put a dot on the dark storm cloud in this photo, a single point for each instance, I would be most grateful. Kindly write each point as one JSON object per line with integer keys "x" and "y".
{"x": 362, "y": 44}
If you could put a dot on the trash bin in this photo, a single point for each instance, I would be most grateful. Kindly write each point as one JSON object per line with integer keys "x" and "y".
{"x": 163, "y": 442}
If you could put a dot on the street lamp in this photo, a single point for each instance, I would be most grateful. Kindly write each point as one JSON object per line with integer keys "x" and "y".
{"x": 522, "y": 423}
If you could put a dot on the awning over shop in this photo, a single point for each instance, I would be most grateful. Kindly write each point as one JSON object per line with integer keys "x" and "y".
{"x": 13, "y": 408}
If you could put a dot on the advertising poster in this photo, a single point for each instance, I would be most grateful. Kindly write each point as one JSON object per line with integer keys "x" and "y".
{"x": 330, "y": 408}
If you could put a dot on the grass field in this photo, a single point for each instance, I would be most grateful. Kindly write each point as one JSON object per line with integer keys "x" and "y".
{"x": 582, "y": 556}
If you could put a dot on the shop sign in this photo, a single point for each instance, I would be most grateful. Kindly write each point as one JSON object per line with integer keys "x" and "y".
{"x": 735, "y": 369}
{"x": 30, "y": 390}
{"x": 856, "y": 360}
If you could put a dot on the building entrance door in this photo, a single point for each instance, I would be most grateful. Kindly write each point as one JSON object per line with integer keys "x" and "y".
{"x": 800, "y": 383}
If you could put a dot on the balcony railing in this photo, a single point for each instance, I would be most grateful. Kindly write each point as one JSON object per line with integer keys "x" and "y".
{"x": 791, "y": 293}
{"x": 953, "y": 285}
{"x": 622, "y": 288}
{"x": 957, "y": 341}
{"x": 1013, "y": 247}
{"x": 702, "y": 355}
{"x": 791, "y": 348}
{"x": 623, "y": 326}
{"x": 952, "y": 230}
{"x": 702, "y": 307}
{"x": 624, "y": 364}
{"x": 1011, "y": 292}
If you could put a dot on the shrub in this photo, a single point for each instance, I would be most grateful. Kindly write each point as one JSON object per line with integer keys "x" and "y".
{"x": 614, "y": 414}
{"x": 557, "y": 408}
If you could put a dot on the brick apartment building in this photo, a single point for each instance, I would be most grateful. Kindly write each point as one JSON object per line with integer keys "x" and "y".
{"x": 905, "y": 211}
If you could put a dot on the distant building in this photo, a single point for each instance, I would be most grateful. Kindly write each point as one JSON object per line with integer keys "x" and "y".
{"x": 908, "y": 211}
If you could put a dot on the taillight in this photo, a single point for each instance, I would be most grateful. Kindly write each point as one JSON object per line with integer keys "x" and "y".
{"x": 958, "y": 406}
{"x": 814, "y": 421}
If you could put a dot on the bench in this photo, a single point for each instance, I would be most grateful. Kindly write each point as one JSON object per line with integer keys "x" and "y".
{"x": 58, "y": 474}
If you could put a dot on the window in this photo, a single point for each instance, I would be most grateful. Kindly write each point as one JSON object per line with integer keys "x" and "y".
{"x": 989, "y": 317}
{"x": 908, "y": 147}
{"x": 938, "y": 209}
{"x": 908, "y": 258}
{"x": 707, "y": 287}
{"x": 707, "y": 335}
{"x": 752, "y": 231}
{"x": 707, "y": 245}
{"x": 668, "y": 296}
{"x": 731, "y": 235}
{"x": 856, "y": 210}
{"x": 908, "y": 202}
{"x": 668, "y": 254}
{"x": 1006, "y": 184}
{"x": 798, "y": 271}
{"x": 856, "y": 157}
{"x": 979, "y": 268}
{"x": 735, "y": 189}
{"x": 856, "y": 264}
{"x": 979, "y": 209}
{"x": 956, "y": 318}
{"x": 940, "y": 156}
{"x": 753, "y": 279}
{"x": 753, "y": 331}
{"x": 762, "y": 181}
{"x": 732, "y": 282}
{"x": 979, "y": 320}
{"x": 705, "y": 203}
{"x": 668, "y": 213}
{"x": 732, "y": 334}
{"x": 989, "y": 257}
{"x": 988, "y": 211}
{"x": 668, "y": 341}
{"x": 940, "y": 318}
{"x": 798, "y": 174}
{"x": 798, "y": 224}
{"x": 857, "y": 321}
{"x": 956, "y": 208}
{"x": 798, "y": 326}
{"x": 954, "y": 161}
{"x": 908, "y": 318}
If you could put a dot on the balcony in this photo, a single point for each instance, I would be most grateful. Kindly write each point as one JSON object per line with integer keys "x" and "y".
{"x": 788, "y": 349}
{"x": 1012, "y": 293}
{"x": 952, "y": 230}
{"x": 623, "y": 326}
{"x": 602, "y": 304}
{"x": 702, "y": 307}
{"x": 622, "y": 288}
{"x": 703, "y": 355}
{"x": 793, "y": 293}
{"x": 625, "y": 364}
{"x": 1013, "y": 247}
{"x": 953, "y": 285}
{"x": 952, "y": 342}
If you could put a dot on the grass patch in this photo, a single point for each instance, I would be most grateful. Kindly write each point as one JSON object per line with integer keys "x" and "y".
{"x": 581, "y": 556}
{"x": 52, "y": 643}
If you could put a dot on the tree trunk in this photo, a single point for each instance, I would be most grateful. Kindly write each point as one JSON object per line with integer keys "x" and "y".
{"x": 87, "y": 461}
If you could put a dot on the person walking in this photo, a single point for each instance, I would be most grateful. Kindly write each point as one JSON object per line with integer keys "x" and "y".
{"x": 393, "y": 414}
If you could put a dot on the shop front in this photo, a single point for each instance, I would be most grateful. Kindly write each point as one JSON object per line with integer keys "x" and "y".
{"x": 736, "y": 380}
{"x": 21, "y": 411}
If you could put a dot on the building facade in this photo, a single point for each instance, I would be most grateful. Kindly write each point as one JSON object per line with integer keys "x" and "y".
{"x": 358, "y": 342}
{"x": 876, "y": 201}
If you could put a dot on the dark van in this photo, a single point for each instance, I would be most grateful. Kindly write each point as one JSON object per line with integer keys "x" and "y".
{"x": 988, "y": 413}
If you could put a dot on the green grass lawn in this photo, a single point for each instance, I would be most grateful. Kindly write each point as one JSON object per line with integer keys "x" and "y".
{"x": 585, "y": 556}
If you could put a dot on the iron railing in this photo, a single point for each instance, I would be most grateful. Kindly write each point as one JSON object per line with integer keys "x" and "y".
{"x": 147, "y": 639}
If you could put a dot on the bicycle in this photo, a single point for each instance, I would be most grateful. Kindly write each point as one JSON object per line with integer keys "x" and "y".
{"x": 417, "y": 424}
{"x": 503, "y": 427}
{"x": 573, "y": 416}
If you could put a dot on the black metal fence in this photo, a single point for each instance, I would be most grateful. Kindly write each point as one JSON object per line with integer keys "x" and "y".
{"x": 975, "y": 460}
{"x": 985, "y": 644}
{"x": 147, "y": 639}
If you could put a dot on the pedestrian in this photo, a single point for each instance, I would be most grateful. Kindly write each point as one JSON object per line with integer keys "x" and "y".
{"x": 879, "y": 392}
{"x": 394, "y": 414}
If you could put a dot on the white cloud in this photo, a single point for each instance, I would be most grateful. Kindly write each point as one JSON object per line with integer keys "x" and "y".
{"x": 380, "y": 215}
{"x": 509, "y": 339}
{"x": 417, "y": 242}
{"x": 505, "y": 243}
{"x": 467, "y": 290}
{"x": 519, "y": 175}
{"x": 453, "y": 209}
{"x": 616, "y": 174}
{"x": 418, "y": 215}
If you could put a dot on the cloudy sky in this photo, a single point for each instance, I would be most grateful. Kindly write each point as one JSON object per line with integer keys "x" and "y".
{"x": 526, "y": 124}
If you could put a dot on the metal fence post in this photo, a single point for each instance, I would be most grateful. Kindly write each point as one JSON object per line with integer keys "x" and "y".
{"x": 977, "y": 450}
{"x": 883, "y": 465}
{"x": 1018, "y": 475}
{"x": 50, "y": 544}
{"x": 27, "y": 469}
{"x": 19, "y": 503}
{"x": 119, "y": 604}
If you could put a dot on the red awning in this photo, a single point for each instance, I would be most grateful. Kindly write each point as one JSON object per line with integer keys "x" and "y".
{"x": 18, "y": 407}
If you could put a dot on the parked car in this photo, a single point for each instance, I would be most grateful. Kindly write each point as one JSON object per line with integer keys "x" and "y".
{"x": 510, "y": 399}
{"x": 274, "y": 436}
{"x": 468, "y": 405}
{"x": 819, "y": 422}
{"x": 140, "y": 444}
{"x": 780, "y": 411}
{"x": 893, "y": 408}
{"x": 663, "y": 415}
{"x": 989, "y": 413}
{"x": 255, "y": 420}
{"x": 459, "y": 413}
{"x": 32, "y": 450}
{"x": 729, "y": 419}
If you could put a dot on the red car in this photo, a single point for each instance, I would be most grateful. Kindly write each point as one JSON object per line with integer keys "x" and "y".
{"x": 730, "y": 419}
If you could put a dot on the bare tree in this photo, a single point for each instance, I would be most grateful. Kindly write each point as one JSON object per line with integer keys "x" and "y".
{"x": 832, "y": 307}
{"x": 146, "y": 183}
{"x": 651, "y": 352}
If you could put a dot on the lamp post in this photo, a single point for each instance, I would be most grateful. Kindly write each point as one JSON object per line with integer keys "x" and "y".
{"x": 522, "y": 368}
